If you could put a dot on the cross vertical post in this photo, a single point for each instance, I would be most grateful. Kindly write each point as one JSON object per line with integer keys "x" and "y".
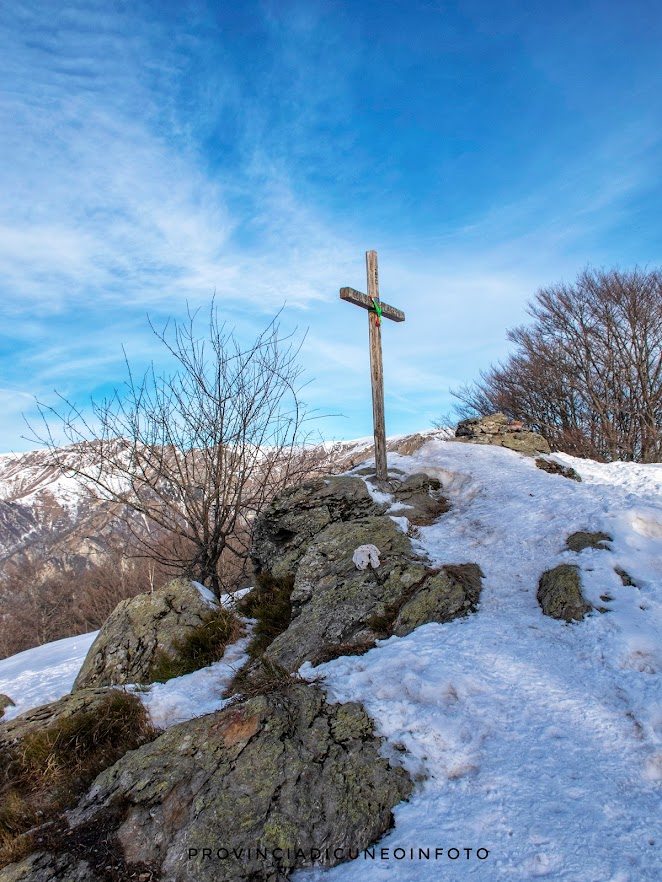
{"x": 376, "y": 368}
{"x": 376, "y": 311}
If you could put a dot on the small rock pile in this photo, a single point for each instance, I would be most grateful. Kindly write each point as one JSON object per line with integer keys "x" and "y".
{"x": 498, "y": 430}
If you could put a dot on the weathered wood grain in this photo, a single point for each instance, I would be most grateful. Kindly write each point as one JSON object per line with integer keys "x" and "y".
{"x": 360, "y": 299}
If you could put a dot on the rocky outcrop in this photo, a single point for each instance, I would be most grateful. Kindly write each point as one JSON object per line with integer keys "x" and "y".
{"x": 581, "y": 539}
{"x": 497, "y": 429}
{"x": 137, "y": 630}
{"x": 333, "y": 602}
{"x": 555, "y": 468}
{"x": 306, "y": 547}
{"x": 280, "y": 778}
{"x": 452, "y": 592}
{"x": 560, "y": 594}
{"x": 271, "y": 781}
{"x": 5, "y": 702}
{"x": 63, "y": 729}
{"x": 48, "y": 758}
{"x": 295, "y": 516}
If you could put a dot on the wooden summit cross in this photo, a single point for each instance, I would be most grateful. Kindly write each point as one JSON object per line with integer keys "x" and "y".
{"x": 376, "y": 311}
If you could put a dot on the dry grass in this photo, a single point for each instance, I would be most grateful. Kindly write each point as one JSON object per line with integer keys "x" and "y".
{"x": 336, "y": 650}
{"x": 263, "y": 677}
{"x": 52, "y": 766}
{"x": 200, "y": 647}
{"x": 269, "y": 603}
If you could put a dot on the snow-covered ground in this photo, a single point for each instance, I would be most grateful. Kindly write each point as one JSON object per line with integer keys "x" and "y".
{"x": 46, "y": 673}
{"x": 537, "y": 741}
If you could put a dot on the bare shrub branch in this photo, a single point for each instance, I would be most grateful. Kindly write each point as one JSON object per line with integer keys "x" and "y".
{"x": 194, "y": 455}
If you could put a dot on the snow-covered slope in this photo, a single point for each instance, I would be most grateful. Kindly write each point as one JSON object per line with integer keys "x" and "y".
{"x": 42, "y": 508}
{"x": 535, "y": 740}
{"x": 46, "y": 511}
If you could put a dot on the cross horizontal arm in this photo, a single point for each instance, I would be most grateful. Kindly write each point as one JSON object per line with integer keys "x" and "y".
{"x": 359, "y": 299}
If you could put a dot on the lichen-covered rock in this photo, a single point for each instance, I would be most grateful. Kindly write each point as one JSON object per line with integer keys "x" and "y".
{"x": 560, "y": 594}
{"x": 127, "y": 645}
{"x": 47, "y": 867}
{"x": 555, "y": 468}
{"x": 5, "y": 702}
{"x": 581, "y": 539}
{"x": 496, "y": 429}
{"x": 333, "y": 602}
{"x": 295, "y": 516}
{"x": 310, "y": 600}
{"x": 284, "y": 771}
{"x": 447, "y": 595}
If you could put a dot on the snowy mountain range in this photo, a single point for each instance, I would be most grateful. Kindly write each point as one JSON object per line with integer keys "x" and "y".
{"x": 46, "y": 511}
{"x": 41, "y": 508}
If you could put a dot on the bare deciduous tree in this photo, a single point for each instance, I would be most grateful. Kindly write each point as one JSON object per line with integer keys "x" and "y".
{"x": 45, "y": 597}
{"x": 194, "y": 455}
{"x": 587, "y": 373}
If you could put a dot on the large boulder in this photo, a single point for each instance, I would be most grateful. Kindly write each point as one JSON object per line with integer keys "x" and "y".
{"x": 311, "y": 601}
{"x": 87, "y": 701}
{"x": 333, "y": 602}
{"x": 270, "y": 783}
{"x": 296, "y": 515}
{"x": 5, "y": 702}
{"x": 338, "y": 609}
{"x": 497, "y": 429}
{"x": 451, "y": 593}
{"x": 141, "y": 631}
{"x": 560, "y": 594}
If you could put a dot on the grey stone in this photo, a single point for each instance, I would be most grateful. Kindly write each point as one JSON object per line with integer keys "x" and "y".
{"x": 447, "y": 595}
{"x": 560, "y": 594}
{"x": 47, "y": 867}
{"x": 580, "y": 540}
{"x": 295, "y": 516}
{"x": 281, "y": 770}
{"x": 555, "y": 468}
{"x": 332, "y": 601}
{"x": 5, "y": 702}
{"x": 496, "y": 429}
{"x": 625, "y": 577}
{"x": 422, "y": 497}
{"x": 474, "y": 427}
{"x": 125, "y": 648}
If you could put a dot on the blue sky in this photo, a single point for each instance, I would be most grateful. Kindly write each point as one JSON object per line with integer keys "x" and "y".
{"x": 152, "y": 153}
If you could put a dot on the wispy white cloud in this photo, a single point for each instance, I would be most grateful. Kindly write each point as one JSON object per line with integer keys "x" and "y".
{"x": 112, "y": 208}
